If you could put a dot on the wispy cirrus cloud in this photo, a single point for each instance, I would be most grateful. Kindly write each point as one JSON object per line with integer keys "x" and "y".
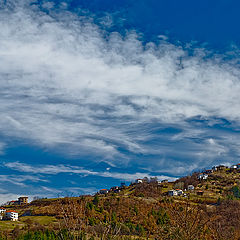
{"x": 68, "y": 87}
{"x": 20, "y": 179}
{"x": 56, "y": 169}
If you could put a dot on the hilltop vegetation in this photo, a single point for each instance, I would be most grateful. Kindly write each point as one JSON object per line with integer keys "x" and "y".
{"x": 139, "y": 211}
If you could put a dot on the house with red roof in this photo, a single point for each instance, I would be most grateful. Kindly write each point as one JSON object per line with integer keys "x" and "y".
{"x": 11, "y": 215}
{"x": 103, "y": 191}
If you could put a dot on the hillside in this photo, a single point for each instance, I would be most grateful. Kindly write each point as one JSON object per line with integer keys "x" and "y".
{"x": 144, "y": 210}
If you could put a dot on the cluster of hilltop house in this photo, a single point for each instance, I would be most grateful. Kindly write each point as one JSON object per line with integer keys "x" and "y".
{"x": 8, "y": 214}
{"x": 117, "y": 189}
{"x": 12, "y": 215}
{"x": 202, "y": 176}
{"x": 20, "y": 201}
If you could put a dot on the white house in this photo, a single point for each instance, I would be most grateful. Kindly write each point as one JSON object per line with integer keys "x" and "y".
{"x": 190, "y": 187}
{"x": 12, "y": 215}
{"x": 172, "y": 193}
{"x": 179, "y": 192}
{"x": 214, "y": 168}
{"x": 138, "y": 180}
{"x": 2, "y": 210}
{"x": 115, "y": 189}
{"x": 202, "y": 176}
{"x": 103, "y": 191}
{"x": 234, "y": 167}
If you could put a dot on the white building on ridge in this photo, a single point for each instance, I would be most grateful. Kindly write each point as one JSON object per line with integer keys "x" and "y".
{"x": 12, "y": 215}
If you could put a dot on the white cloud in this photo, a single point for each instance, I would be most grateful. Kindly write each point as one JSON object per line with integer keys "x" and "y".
{"x": 64, "y": 87}
{"x": 56, "y": 169}
{"x": 20, "y": 179}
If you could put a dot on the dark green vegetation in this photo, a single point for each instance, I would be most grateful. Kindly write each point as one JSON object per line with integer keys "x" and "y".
{"x": 140, "y": 211}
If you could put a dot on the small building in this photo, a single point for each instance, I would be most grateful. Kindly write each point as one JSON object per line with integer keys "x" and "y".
{"x": 234, "y": 167}
{"x": 219, "y": 168}
{"x": 115, "y": 189}
{"x": 14, "y": 202}
{"x": 172, "y": 193}
{"x": 200, "y": 193}
{"x": 2, "y": 210}
{"x": 138, "y": 181}
{"x": 179, "y": 192}
{"x": 103, "y": 191}
{"x": 202, "y": 176}
{"x": 12, "y": 215}
{"x": 214, "y": 168}
{"x": 23, "y": 200}
{"x": 190, "y": 187}
{"x": 238, "y": 165}
{"x": 222, "y": 167}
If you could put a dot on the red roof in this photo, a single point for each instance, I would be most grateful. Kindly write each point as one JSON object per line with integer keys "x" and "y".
{"x": 11, "y": 211}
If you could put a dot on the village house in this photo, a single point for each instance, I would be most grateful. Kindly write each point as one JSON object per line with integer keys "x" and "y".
{"x": 138, "y": 181}
{"x": 202, "y": 176}
{"x": 172, "y": 193}
{"x": 2, "y": 210}
{"x": 200, "y": 193}
{"x": 190, "y": 187}
{"x": 22, "y": 200}
{"x": 103, "y": 191}
{"x": 234, "y": 167}
{"x": 214, "y": 168}
{"x": 2, "y": 213}
{"x": 219, "y": 168}
{"x": 115, "y": 189}
{"x": 179, "y": 192}
{"x": 13, "y": 202}
{"x": 12, "y": 215}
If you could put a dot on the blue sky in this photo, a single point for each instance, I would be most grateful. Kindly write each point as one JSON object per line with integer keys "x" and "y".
{"x": 93, "y": 93}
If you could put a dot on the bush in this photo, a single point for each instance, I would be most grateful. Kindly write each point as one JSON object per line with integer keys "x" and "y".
{"x": 236, "y": 191}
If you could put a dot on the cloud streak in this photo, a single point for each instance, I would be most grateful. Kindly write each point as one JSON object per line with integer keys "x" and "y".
{"x": 56, "y": 169}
